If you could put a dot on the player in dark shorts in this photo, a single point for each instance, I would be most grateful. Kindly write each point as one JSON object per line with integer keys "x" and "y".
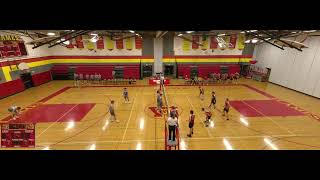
{"x": 213, "y": 100}
{"x": 208, "y": 116}
{"x": 226, "y": 108}
{"x": 125, "y": 94}
{"x": 191, "y": 123}
{"x": 201, "y": 93}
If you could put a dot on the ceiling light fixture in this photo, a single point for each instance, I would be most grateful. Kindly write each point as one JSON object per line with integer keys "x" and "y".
{"x": 310, "y": 31}
{"x": 221, "y": 35}
{"x": 189, "y": 32}
{"x": 131, "y": 31}
{"x": 254, "y": 40}
{"x": 179, "y": 34}
{"x": 51, "y": 34}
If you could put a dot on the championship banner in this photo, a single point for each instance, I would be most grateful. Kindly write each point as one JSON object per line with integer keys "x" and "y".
{"x": 70, "y": 45}
{"x": 213, "y": 42}
{"x": 100, "y": 43}
{"x": 109, "y": 43}
{"x": 195, "y": 42}
{"x": 186, "y": 45}
{"x": 79, "y": 42}
{"x": 204, "y": 42}
{"x": 129, "y": 44}
{"x": 233, "y": 41}
{"x": 89, "y": 44}
{"x": 11, "y": 46}
{"x": 138, "y": 42}
{"x": 241, "y": 39}
{"x": 119, "y": 43}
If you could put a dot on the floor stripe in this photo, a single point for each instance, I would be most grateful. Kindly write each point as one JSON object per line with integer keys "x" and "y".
{"x": 134, "y": 101}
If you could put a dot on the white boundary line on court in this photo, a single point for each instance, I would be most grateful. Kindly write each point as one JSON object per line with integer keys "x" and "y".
{"x": 125, "y": 131}
{"x": 191, "y": 139}
{"x": 57, "y": 120}
{"x": 269, "y": 119}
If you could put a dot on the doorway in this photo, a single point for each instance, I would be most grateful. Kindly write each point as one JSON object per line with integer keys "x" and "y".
{"x": 193, "y": 71}
{"x": 169, "y": 70}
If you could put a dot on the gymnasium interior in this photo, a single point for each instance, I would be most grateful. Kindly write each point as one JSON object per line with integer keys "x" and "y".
{"x": 63, "y": 81}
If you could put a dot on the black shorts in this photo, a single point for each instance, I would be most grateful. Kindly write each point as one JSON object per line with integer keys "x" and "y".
{"x": 226, "y": 110}
{"x": 208, "y": 117}
{"x": 213, "y": 101}
{"x": 191, "y": 125}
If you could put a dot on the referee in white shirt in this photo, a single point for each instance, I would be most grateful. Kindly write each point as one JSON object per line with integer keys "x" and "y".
{"x": 172, "y": 125}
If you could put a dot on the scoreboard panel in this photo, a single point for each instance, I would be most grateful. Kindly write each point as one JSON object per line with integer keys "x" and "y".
{"x": 18, "y": 135}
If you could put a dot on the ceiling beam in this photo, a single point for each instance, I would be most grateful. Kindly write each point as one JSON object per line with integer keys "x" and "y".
{"x": 257, "y": 36}
{"x": 79, "y": 33}
{"x": 52, "y": 40}
{"x": 278, "y": 38}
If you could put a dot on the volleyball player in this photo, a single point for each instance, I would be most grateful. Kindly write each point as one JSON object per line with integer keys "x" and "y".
{"x": 213, "y": 100}
{"x": 112, "y": 112}
{"x": 159, "y": 102}
{"x": 14, "y": 110}
{"x": 191, "y": 123}
{"x": 201, "y": 94}
{"x": 226, "y": 108}
{"x": 125, "y": 94}
{"x": 208, "y": 115}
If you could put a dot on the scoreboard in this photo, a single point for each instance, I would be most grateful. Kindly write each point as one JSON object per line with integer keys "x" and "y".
{"x": 18, "y": 135}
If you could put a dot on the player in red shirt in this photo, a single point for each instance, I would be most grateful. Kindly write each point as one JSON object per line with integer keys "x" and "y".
{"x": 191, "y": 123}
{"x": 226, "y": 108}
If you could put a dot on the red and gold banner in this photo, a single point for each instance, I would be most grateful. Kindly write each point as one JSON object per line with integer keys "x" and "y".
{"x": 89, "y": 44}
{"x": 119, "y": 43}
{"x": 186, "y": 45}
{"x": 100, "y": 43}
{"x": 213, "y": 42}
{"x": 195, "y": 42}
{"x": 138, "y": 42}
{"x": 129, "y": 44}
{"x": 241, "y": 39}
{"x": 233, "y": 41}
{"x": 204, "y": 42}
{"x": 79, "y": 42}
{"x": 109, "y": 43}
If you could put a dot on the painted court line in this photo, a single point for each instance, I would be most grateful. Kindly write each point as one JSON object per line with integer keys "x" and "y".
{"x": 161, "y": 139}
{"x": 57, "y": 120}
{"x": 125, "y": 131}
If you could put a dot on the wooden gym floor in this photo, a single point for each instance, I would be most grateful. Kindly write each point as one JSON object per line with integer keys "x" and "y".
{"x": 263, "y": 116}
